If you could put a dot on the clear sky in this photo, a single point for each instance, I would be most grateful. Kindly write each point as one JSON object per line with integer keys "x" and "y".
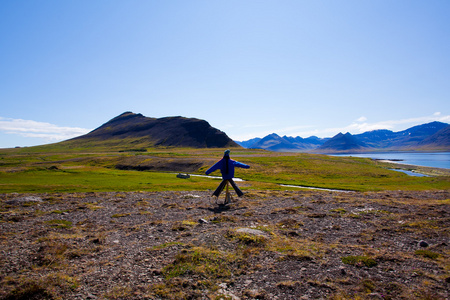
{"x": 249, "y": 68}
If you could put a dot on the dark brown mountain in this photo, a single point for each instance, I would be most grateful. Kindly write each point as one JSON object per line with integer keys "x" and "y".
{"x": 135, "y": 129}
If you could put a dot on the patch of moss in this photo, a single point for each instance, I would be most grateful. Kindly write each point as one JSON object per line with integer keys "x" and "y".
{"x": 339, "y": 210}
{"x": 204, "y": 262}
{"x": 119, "y": 215}
{"x": 427, "y": 253}
{"x": 290, "y": 223}
{"x": 359, "y": 261}
{"x": 251, "y": 239}
{"x": 60, "y": 223}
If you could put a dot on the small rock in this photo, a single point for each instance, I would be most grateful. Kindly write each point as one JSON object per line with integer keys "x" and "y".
{"x": 227, "y": 295}
{"x": 183, "y": 176}
{"x": 293, "y": 233}
{"x": 156, "y": 272}
{"x": 22, "y": 200}
{"x": 423, "y": 244}
{"x": 202, "y": 221}
{"x": 191, "y": 196}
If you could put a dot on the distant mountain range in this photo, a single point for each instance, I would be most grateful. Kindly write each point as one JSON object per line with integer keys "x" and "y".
{"x": 434, "y": 136}
{"x": 130, "y": 129}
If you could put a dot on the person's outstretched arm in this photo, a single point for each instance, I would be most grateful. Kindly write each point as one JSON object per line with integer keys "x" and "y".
{"x": 240, "y": 165}
{"x": 214, "y": 167}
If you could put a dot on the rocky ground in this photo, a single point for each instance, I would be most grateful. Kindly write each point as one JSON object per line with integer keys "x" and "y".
{"x": 265, "y": 245}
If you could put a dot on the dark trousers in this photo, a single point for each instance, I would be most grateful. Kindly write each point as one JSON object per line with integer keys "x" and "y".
{"x": 222, "y": 185}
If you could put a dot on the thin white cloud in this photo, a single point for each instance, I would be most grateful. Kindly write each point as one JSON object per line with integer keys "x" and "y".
{"x": 34, "y": 129}
{"x": 394, "y": 124}
{"x": 361, "y": 119}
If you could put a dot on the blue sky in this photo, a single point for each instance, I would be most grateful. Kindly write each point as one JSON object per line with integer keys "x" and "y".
{"x": 250, "y": 68}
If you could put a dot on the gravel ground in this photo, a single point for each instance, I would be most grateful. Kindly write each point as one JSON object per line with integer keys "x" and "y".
{"x": 265, "y": 245}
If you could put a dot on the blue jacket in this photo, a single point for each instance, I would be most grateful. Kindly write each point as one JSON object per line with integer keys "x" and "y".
{"x": 221, "y": 164}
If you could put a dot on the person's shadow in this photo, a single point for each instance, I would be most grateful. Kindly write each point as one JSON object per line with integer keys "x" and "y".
{"x": 224, "y": 207}
{"x": 219, "y": 208}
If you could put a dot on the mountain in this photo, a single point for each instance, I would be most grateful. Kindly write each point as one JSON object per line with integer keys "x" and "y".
{"x": 430, "y": 136}
{"x": 377, "y": 138}
{"x": 402, "y": 140}
{"x": 274, "y": 142}
{"x": 343, "y": 142}
{"x": 440, "y": 139}
{"x": 305, "y": 144}
{"x": 249, "y": 143}
{"x": 135, "y": 129}
{"x": 413, "y": 136}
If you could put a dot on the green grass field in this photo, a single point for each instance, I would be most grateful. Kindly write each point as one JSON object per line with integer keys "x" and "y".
{"x": 52, "y": 169}
{"x": 96, "y": 179}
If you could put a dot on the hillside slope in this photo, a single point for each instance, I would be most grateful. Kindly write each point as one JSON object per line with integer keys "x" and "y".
{"x": 440, "y": 139}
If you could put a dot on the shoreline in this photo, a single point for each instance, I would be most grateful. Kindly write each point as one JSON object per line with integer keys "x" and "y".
{"x": 424, "y": 159}
{"x": 432, "y": 171}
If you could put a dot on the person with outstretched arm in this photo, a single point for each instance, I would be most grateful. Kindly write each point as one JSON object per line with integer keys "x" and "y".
{"x": 226, "y": 166}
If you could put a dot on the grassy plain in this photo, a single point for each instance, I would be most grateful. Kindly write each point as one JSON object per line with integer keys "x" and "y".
{"x": 118, "y": 224}
{"x": 55, "y": 169}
